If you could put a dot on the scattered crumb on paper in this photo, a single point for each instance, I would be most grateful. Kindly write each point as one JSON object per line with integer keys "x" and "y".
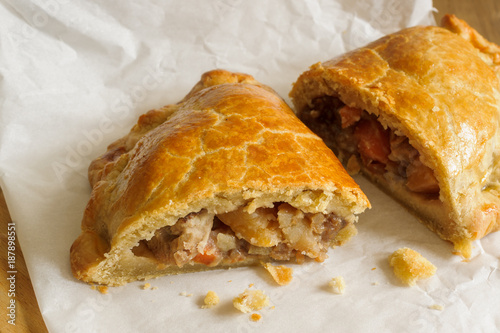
{"x": 337, "y": 285}
{"x": 100, "y": 288}
{"x": 103, "y": 289}
{"x": 255, "y": 317}
{"x": 410, "y": 266}
{"x": 251, "y": 300}
{"x": 211, "y": 300}
{"x": 281, "y": 274}
{"x": 436, "y": 307}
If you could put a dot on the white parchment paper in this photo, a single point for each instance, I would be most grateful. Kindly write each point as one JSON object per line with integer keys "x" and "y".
{"x": 75, "y": 76}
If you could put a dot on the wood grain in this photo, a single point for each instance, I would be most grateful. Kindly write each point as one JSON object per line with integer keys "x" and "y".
{"x": 27, "y": 313}
{"x": 483, "y": 15}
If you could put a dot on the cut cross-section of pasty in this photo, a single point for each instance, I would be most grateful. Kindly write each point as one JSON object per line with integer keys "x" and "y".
{"x": 228, "y": 176}
{"x": 418, "y": 112}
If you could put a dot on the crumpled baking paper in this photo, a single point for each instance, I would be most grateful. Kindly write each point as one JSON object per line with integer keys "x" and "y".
{"x": 75, "y": 76}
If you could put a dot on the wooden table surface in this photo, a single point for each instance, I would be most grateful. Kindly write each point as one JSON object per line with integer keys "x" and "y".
{"x": 483, "y": 15}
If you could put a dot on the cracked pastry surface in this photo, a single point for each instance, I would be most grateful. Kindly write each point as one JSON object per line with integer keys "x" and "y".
{"x": 418, "y": 112}
{"x": 228, "y": 176}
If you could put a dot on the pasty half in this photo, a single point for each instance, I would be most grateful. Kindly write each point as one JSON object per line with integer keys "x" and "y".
{"x": 228, "y": 176}
{"x": 418, "y": 112}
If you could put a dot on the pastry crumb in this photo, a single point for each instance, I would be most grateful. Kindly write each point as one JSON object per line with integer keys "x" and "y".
{"x": 146, "y": 286}
{"x": 100, "y": 288}
{"x": 436, "y": 307}
{"x": 251, "y": 300}
{"x": 255, "y": 317}
{"x": 211, "y": 300}
{"x": 281, "y": 274}
{"x": 251, "y": 285}
{"x": 154, "y": 288}
{"x": 463, "y": 248}
{"x": 410, "y": 266}
{"x": 185, "y": 294}
{"x": 337, "y": 285}
{"x": 103, "y": 289}
{"x": 374, "y": 268}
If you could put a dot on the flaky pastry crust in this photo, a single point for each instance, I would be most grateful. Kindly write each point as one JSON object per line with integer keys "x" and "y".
{"x": 230, "y": 143}
{"x": 437, "y": 87}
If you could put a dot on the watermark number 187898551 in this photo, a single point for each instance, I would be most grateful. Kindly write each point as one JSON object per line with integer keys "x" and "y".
{"x": 11, "y": 272}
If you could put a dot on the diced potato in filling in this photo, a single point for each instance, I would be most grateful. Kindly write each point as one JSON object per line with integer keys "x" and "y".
{"x": 281, "y": 233}
{"x": 296, "y": 229}
{"x": 259, "y": 228}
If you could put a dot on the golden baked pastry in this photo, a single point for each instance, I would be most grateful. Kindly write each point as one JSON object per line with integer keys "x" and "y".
{"x": 418, "y": 112}
{"x": 228, "y": 176}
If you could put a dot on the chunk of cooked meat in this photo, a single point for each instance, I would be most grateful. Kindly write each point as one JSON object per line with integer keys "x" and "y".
{"x": 355, "y": 132}
{"x": 372, "y": 141}
{"x": 349, "y": 115}
{"x": 184, "y": 240}
{"x": 420, "y": 178}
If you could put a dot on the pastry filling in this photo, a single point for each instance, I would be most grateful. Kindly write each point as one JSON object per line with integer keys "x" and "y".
{"x": 355, "y": 132}
{"x": 281, "y": 233}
